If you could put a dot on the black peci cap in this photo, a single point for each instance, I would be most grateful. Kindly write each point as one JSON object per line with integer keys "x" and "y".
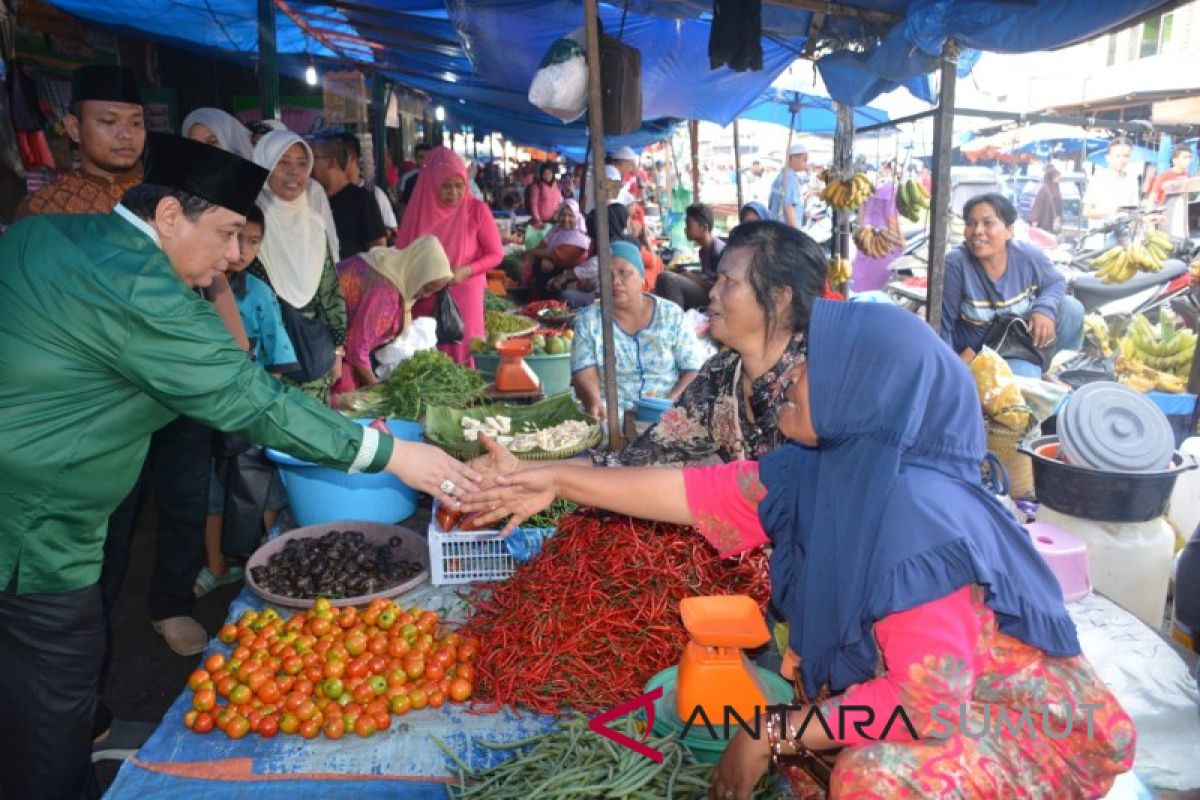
{"x": 209, "y": 172}
{"x": 105, "y": 82}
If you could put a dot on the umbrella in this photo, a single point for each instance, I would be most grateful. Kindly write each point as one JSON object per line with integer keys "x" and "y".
{"x": 806, "y": 113}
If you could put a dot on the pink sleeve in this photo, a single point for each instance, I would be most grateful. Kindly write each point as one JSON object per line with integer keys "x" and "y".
{"x": 929, "y": 660}
{"x": 490, "y": 251}
{"x": 724, "y": 501}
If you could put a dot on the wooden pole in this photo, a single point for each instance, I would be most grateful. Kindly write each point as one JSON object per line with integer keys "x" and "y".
{"x": 843, "y": 164}
{"x": 268, "y": 60}
{"x": 939, "y": 201}
{"x": 694, "y": 134}
{"x": 737, "y": 163}
{"x": 616, "y": 440}
{"x": 380, "y": 93}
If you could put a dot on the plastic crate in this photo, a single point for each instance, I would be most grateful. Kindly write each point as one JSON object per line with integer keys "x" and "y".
{"x": 470, "y": 556}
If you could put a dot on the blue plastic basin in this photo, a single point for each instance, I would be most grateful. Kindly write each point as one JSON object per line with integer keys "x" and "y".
{"x": 649, "y": 409}
{"x": 320, "y": 494}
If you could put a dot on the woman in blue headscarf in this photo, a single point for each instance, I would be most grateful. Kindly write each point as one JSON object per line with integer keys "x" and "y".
{"x": 753, "y": 211}
{"x": 904, "y": 582}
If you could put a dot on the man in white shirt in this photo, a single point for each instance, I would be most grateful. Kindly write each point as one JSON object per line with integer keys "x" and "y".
{"x": 1112, "y": 188}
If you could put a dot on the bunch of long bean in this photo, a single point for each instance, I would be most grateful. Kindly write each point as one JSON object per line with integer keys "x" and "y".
{"x": 572, "y": 761}
{"x": 428, "y": 378}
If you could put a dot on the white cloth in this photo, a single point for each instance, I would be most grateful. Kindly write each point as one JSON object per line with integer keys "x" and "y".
{"x": 231, "y": 133}
{"x": 1109, "y": 189}
{"x": 294, "y": 246}
{"x": 420, "y": 335}
{"x": 385, "y": 208}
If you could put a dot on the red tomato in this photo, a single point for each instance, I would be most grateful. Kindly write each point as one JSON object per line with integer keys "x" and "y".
{"x": 197, "y": 679}
{"x": 204, "y": 700}
{"x": 237, "y": 727}
{"x": 382, "y": 720}
{"x": 397, "y": 677}
{"x": 377, "y": 665}
{"x": 214, "y": 662}
{"x": 293, "y": 664}
{"x": 309, "y": 729}
{"x": 364, "y": 726}
{"x": 289, "y": 723}
{"x": 240, "y": 695}
{"x": 378, "y": 644}
{"x": 204, "y": 722}
{"x": 399, "y": 704}
{"x": 398, "y": 647}
{"x": 468, "y": 651}
{"x": 418, "y": 699}
{"x": 269, "y": 726}
{"x": 414, "y": 665}
{"x": 465, "y": 671}
{"x": 363, "y": 693}
{"x": 304, "y": 687}
{"x": 320, "y": 626}
{"x": 460, "y": 690}
{"x": 334, "y": 668}
{"x": 189, "y": 718}
{"x": 334, "y": 728}
{"x": 269, "y": 692}
{"x": 437, "y": 698}
{"x": 444, "y": 656}
{"x": 294, "y": 700}
{"x": 306, "y": 710}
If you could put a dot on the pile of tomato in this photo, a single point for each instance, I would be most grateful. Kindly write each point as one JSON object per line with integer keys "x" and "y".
{"x": 330, "y": 671}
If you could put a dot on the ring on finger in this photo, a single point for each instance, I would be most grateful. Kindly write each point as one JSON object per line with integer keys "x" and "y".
{"x": 448, "y": 487}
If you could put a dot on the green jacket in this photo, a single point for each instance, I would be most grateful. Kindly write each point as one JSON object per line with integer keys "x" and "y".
{"x": 101, "y": 344}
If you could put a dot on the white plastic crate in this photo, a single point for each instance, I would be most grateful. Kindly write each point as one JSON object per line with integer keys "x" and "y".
{"x": 468, "y": 556}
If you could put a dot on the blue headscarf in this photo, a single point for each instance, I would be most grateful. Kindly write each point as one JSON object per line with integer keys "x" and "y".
{"x": 757, "y": 208}
{"x": 628, "y": 252}
{"x": 889, "y": 512}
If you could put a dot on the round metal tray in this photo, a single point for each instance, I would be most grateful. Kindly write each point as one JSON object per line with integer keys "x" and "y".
{"x": 412, "y": 547}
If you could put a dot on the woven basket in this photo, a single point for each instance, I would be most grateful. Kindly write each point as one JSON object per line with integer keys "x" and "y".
{"x": 1003, "y": 442}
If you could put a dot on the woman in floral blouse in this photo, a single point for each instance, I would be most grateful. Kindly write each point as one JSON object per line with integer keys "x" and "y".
{"x": 759, "y": 307}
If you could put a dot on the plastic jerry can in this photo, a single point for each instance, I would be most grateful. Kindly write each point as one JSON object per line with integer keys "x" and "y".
{"x": 1128, "y": 562}
{"x": 1183, "y": 510}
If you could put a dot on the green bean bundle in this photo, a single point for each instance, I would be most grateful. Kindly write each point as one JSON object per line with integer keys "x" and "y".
{"x": 572, "y": 761}
{"x": 428, "y": 378}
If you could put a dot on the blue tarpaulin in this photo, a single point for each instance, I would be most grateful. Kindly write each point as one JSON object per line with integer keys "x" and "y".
{"x": 484, "y": 52}
{"x": 816, "y": 112}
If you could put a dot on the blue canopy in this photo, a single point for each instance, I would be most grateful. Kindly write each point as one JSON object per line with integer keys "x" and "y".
{"x": 816, "y": 112}
{"x": 484, "y": 52}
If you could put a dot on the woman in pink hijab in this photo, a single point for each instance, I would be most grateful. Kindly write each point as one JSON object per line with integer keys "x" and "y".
{"x": 442, "y": 206}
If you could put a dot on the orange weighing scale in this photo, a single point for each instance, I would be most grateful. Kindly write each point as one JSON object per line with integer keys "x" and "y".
{"x": 515, "y": 380}
{"x": 714, "y": 671}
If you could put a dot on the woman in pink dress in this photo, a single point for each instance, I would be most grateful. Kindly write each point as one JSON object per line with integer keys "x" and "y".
{"x": 878, "y": 211}
{"x": 904, "y": 583}
{"x": 441, "y": 206}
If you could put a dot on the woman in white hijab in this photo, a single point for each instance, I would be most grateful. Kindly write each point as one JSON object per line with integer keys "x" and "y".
{"x": 295, "y": 258}
{"x": 219, "y": 129}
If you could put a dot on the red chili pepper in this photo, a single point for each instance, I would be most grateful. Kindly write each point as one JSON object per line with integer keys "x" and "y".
{"x": 587, "y": 632}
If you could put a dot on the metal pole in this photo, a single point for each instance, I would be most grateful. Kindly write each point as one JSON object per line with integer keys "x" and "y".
{"x": 379, "y": 103}
{"x": 737, "y": 163}
{"x": 843, "y": 164}
{"x": 694, "y": 134}
{"x": 616, "y": 441}
{"x": 939, "y": 202}
{"x": 268, "y": 60}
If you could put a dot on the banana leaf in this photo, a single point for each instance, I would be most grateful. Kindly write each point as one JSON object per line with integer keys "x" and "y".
{"x": 443, "y": 425}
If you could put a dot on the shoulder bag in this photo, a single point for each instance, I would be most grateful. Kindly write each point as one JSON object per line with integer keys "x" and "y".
{"x": 311, "y": 339}
{"x": 1009, "y": 333}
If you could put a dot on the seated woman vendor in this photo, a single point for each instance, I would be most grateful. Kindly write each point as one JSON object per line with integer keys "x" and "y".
{"x": 990, "y": 274}
{"x": 656, "y": 348}
{"x": 903, "y": 580}
{"x": 547, "y": 267}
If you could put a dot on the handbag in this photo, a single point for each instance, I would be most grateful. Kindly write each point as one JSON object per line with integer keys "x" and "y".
{"x": 450, "y": 328}
{"x": 1008, "y": 334}
{"x": 311, "y": 339}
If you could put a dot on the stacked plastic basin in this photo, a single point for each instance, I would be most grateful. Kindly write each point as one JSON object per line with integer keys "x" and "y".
{"x": 320, "y": 494}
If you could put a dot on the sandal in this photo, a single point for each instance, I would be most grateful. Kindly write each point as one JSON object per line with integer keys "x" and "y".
{"x": 207, "y": 581}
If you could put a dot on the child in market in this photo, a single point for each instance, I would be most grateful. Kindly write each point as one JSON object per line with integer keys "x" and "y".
{"x": 270, "y": 347}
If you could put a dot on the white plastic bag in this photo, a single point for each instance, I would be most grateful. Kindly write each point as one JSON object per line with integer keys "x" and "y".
{"x": 559, "y": 86}
{"x": 421, "y": 335}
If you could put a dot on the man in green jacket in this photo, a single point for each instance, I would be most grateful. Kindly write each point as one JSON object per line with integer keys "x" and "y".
{"x": 102, "y": 342}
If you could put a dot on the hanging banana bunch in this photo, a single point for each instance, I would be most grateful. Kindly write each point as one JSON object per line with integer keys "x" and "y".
{"x": 845, "y": 195}
{"x": 876, "y": 242}
{"x": 840, "y": 271}
{"x": 911, "y": 200}
{"x": 1145, "y": 253}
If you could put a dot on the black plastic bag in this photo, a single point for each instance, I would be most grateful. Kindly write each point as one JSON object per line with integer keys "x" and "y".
{"x": 1086, "y": 367}
{"x": 247, "y": 479}
{"x": 450, "y": 328}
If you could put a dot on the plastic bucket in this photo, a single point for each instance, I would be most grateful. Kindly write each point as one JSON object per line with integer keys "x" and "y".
{"x": 1096, "y": 495}
{"x": 553, "y": 371}
{"x": 319, "y": 494}
{"x": 649, "y": 409}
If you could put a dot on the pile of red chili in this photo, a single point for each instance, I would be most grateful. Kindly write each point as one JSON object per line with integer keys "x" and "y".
{"x": 585, "y": 624}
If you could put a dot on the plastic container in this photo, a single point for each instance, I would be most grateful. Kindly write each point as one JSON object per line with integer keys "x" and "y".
{"x": 1129, "y": 563}
{"x": 554, "y": 371}
{"x": 703, "y": 746}
{"x": 1066, "y": 556}
{"x": 1185, "y": 616}
{"x": 1183, "y": 509}
{"x": 649, "y": 409}
{"x": 319, "y": 494}
{"x": 1112, "y": 427}
{"x": 410, "y": 548}
{"x": 1179, "y": 409}
{"x": 1105, "y": 496}
{"x": 472, "y": 556}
